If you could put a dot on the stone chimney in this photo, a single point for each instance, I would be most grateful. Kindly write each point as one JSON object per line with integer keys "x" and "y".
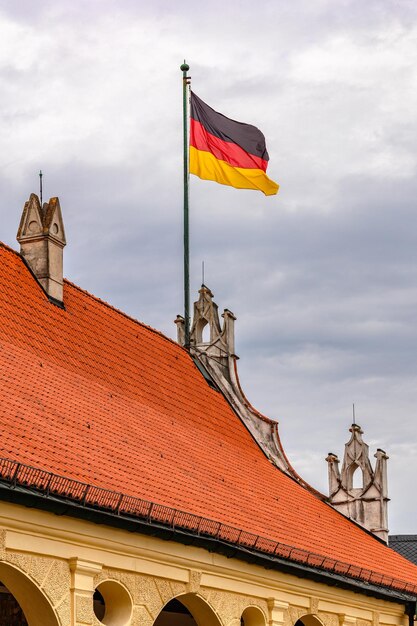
{"x": 366, "y": 503}
{"x": 42, "y": 239}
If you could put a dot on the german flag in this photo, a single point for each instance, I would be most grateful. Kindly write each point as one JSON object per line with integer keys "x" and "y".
{"x": 226, "y": 151}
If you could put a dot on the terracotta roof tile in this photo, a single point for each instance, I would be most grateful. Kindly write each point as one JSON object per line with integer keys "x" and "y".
{"x": 89, "y": 393}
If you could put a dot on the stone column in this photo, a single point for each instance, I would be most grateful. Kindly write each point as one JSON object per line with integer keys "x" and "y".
{"x": 82, "y": 591}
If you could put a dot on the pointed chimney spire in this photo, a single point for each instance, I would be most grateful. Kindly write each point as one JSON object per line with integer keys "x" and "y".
{"x": 41, "y": 236}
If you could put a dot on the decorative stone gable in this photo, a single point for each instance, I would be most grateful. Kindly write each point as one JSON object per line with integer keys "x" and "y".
{"x": 41, "y": 236}
{"x": 214, "y": 354}
{"x": 221, "y": 341}
{"x": 367, "y": 502}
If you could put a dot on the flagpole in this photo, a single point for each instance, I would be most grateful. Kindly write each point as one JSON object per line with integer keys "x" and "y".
{"x": 185, "y": 82}
{"x": 40, "y": 186}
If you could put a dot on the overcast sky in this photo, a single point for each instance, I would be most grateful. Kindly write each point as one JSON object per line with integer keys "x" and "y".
{"x": 322, "y": 277}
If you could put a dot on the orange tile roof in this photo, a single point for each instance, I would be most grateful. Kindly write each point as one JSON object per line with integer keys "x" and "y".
{"x": 91, "y": 394}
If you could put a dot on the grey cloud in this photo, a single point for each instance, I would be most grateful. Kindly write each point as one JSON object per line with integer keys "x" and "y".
{"x": 322, "y": 277}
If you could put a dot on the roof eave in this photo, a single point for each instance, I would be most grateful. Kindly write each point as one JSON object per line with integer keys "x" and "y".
{"x": 31, "y": 499}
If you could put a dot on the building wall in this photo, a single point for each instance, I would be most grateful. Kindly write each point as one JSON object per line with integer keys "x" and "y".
{"x": 53, "y": 565}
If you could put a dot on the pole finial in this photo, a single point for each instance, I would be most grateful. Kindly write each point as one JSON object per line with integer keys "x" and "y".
{"x": 184, "y": 67}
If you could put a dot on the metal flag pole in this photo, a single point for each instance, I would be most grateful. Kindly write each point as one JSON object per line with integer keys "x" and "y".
{"x": 40, "y": 186}
{"x": 185, "y": 83}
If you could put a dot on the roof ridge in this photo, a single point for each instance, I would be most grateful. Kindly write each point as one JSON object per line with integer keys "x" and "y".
{"x": 9, "y": 249}
{"x": 107, "y": 304}
{"x": 403, "y": 538}
{"x": 126, "y": 315}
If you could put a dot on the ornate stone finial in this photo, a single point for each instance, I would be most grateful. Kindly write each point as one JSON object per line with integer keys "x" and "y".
{"x": 219, "y": 344}
{"x": 180, "y": 322}
{"x": 366, "y": 503}
{"x": 41, "y": 236}
{"x": 220, "y": 340}
{"x": 334, "y": 472}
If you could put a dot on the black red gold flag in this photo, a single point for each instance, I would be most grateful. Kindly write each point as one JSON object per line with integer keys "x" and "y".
{"x": 228, "y": 152}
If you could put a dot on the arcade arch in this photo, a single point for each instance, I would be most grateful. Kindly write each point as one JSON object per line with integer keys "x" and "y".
{"x": 309, "y": 620}
{"x": 34, "y": 605}
{"x": 187, "y": 610}
{"x": 252, "y": 616}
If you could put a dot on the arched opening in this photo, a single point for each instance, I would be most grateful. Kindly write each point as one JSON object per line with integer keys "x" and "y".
{"x": 202, "y": 331}
{"x": 175, "y": 614}
{"x": 11, "y": 613}
{"x": 21, "y": 598}
{"x": 354, "y": 477}
{"x": 357, "y": 478}
{"x": 205, "y": 335}
{"x": 187, "y": 610}
{"x": 252, "y": 616}
{"x": 309, "y": 620}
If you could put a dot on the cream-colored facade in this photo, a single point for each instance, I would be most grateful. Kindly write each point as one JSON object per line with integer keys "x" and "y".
{"x": 53, "y": 565}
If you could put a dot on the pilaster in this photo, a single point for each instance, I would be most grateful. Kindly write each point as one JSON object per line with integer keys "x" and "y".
{"x": 346, "y": 620}
{"x": 82, "y": 591}
{"x": 277, "y": 612}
